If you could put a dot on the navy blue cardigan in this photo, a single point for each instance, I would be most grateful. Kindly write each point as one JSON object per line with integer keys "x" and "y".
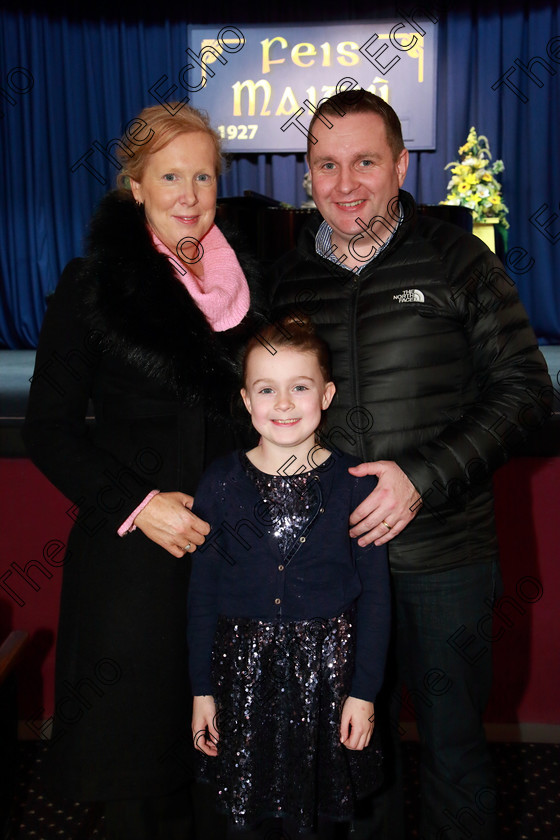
{"x": 240, "y": 572}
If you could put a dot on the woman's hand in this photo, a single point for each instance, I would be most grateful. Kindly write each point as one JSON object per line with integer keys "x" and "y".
{"x": 356, "y": 725}
{"x": 205, "y": 734}
{"x": 168, "y": 521}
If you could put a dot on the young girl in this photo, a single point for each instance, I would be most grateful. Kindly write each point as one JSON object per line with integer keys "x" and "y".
{"x": 288, "y": 617}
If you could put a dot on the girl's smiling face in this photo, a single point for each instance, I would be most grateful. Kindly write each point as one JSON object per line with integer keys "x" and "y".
{"x": 285, "y": 394}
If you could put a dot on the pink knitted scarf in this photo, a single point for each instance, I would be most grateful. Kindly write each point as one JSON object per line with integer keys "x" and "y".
{"x": 222, "y": 293}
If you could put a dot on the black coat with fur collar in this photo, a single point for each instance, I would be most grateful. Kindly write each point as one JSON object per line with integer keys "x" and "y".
{"x": 123, "y": 335}
{"x": 132, "y": 297}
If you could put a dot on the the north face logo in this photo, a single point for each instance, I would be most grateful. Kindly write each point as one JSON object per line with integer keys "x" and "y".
{"x": 410, "y": 296}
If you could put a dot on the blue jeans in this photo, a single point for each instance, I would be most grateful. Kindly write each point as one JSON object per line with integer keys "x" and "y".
{"x": 446, "y": 664}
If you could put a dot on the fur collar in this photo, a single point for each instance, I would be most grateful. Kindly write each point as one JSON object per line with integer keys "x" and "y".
{"x": 146, "y": 316}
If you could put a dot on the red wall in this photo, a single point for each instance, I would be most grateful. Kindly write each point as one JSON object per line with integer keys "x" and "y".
{"x": 34, "y": 525}
{"x": 526, "y": 658}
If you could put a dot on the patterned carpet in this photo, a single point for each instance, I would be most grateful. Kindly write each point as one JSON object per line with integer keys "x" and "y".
{"x": 528, "y": 804}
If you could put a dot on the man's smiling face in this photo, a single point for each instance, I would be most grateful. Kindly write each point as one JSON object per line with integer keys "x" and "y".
{"x": 353, "y": 172}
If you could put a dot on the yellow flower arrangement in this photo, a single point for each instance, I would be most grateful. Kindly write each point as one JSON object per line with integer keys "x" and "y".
{"x": 473, "y": 184}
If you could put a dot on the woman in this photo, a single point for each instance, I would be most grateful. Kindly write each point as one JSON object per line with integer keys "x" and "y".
{"x": 146, "y": 327}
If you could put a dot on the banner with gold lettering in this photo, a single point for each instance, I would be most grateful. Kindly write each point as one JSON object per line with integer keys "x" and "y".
{"x": 261, "y": 83}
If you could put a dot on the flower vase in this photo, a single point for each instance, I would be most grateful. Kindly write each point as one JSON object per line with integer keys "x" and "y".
{"x": 486, "y": 231}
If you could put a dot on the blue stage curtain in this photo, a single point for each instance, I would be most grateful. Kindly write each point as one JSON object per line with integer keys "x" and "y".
{"x": 84, "y": 81}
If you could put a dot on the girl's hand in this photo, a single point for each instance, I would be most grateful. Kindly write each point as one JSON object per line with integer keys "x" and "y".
{"x": 168, "y": 521}
{"x": 205, "y": 734}
{"x": 356, "y": 725}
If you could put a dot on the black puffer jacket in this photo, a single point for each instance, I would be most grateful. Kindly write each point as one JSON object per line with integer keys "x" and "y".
{"x": 437, "y": 368}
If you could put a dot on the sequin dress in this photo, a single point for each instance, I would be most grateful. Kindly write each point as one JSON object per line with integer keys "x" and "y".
{"x": 279, "y": 691}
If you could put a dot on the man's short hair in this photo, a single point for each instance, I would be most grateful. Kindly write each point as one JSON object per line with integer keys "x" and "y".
{"x": 360, "y": 102}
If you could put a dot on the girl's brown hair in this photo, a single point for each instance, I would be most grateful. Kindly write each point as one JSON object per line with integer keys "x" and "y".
{"x": 296, "y": 332}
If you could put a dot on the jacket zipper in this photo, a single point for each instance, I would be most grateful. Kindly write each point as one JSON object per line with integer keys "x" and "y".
{"x": 354, "y": 356}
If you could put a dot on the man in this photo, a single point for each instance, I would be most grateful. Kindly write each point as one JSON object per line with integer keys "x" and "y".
{"x": 438, "y": 377}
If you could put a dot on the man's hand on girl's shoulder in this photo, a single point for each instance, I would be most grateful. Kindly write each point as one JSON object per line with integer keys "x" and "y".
{"x": 389, "y": 508}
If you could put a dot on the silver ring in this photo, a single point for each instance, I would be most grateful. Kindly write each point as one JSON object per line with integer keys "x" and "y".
{"x": 186, "y": 548}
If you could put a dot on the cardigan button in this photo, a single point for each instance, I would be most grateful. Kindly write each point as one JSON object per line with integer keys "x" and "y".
{"x": 277, "y": 601}
{"x": 302, "y": 539}
{"x": 280, "y": 568}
